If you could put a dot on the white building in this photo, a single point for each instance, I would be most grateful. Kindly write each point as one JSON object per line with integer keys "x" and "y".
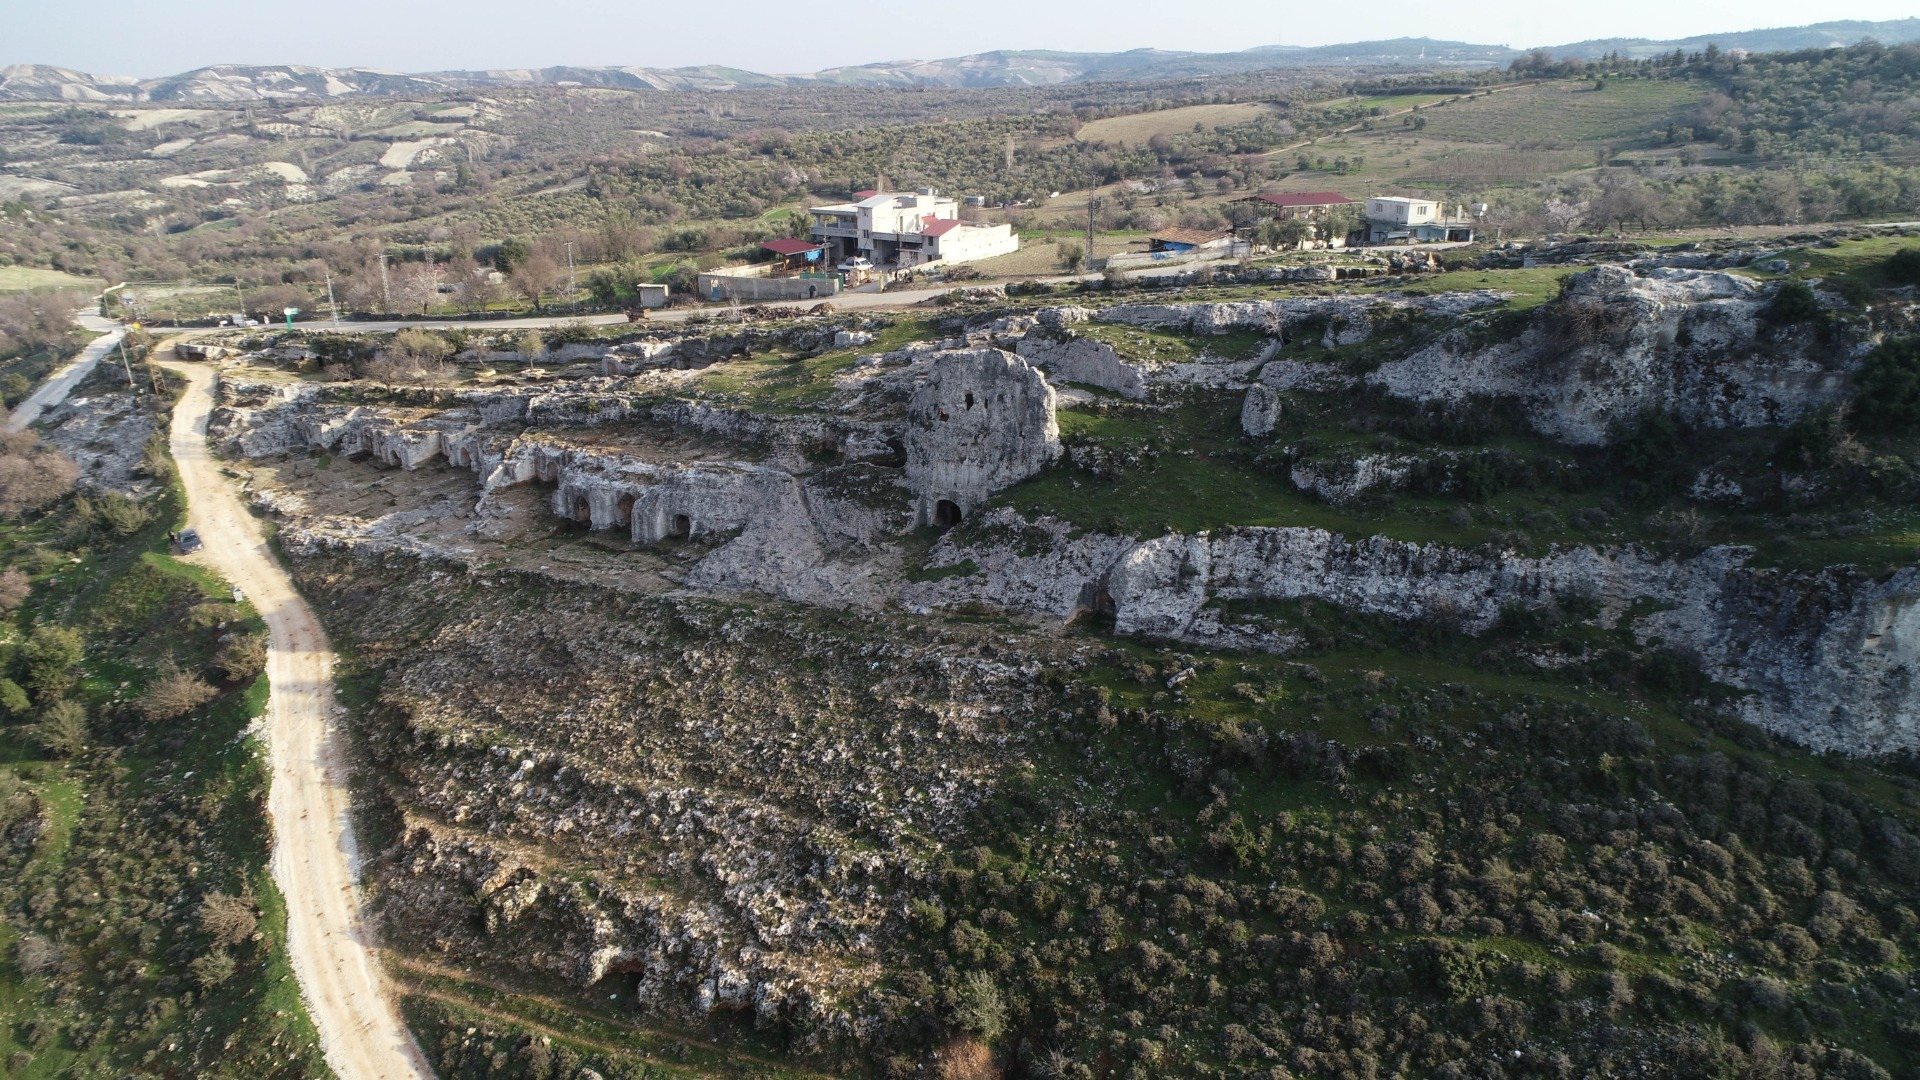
{"x": 905, "y": 231}
{"x": 1394, "y": 218}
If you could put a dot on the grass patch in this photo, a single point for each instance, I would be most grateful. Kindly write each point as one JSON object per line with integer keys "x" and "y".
{"x": 778, "y": 382}
{"x": 1135, "y": 129}
{"x": 21, "y": 278}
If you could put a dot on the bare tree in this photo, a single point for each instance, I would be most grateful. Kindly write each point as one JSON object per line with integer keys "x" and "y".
{"x": 31, "y": 474}
{"x": 174, "y": 693}
{"x": 535, "y": 277}
{"x": 228, "y": 920}
{"x": 415, "y": 286}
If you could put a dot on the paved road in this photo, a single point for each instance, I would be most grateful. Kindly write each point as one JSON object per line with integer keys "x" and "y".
{"x": 61, "y": 383}
{"x": 315, "y": 854}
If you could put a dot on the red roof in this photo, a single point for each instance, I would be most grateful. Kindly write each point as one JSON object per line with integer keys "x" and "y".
{"x": 791, "y": 247}
{"x": 867, "y": 194}
{"x": 1306, "y": 198}
{"x": 939, "y": 228}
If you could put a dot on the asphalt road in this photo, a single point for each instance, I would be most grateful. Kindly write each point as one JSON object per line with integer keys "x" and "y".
{"x": 315, "y": 853}
{"x": 61, "y": 383}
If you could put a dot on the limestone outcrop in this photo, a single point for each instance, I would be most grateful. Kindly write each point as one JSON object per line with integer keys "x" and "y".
{"x": 982, "y": 420}
{"x": 1826, "y": 658}
{"x": 1692, "y": 343}
{"x": 1275, "y": 316}
{"x": 1086, "y": 361}
{"x": 1259, "y": 410}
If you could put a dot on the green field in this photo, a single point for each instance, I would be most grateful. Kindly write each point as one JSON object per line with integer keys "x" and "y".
{"x": 1136, "y": 129}
{"x": 1554, "y": 114}
{"x": 18, "y": 278}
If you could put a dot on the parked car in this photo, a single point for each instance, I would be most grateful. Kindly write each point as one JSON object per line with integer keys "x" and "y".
{"x": 856, "y": 264}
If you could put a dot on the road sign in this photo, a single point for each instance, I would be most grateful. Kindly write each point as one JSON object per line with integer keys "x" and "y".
{"x": 290, "y": 313}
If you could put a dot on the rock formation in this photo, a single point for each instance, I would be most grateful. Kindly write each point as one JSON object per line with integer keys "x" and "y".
{"x": 1692, "y": 343}
{"x": 981, "y": 421}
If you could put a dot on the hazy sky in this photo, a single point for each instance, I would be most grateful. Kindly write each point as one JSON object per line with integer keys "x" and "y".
{"x": 162, "y": 37}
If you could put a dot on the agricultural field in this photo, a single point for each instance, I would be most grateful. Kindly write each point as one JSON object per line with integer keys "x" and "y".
{"x": 1565, "y": 113}
{"x": 21, "y": 278}
{"x": 1137, "y": 129}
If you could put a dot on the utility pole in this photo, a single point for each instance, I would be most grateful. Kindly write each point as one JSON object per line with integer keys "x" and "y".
{"x": 124, "y": 362}
{"x": 330, "y": 304}
{"x": 1093, "y": 208}
{"x": 573, "y": 280}
{"x": 386, "y": 290}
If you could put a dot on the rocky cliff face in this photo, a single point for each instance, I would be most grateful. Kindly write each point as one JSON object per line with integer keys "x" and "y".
{"x": 1825, "y": 657}
{"x": 1618, "y": 343}
{"x": 981, "y": 421}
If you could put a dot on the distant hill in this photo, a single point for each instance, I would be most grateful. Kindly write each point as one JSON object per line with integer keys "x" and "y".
{"x": 1783, "y": 39}
{"x": 242, "y": 82}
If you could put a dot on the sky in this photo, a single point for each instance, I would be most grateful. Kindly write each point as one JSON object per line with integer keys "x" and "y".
{"x": 148, "y": 38}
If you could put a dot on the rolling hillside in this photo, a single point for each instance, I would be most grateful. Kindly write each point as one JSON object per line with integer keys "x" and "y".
{"x": 237, "y": 82}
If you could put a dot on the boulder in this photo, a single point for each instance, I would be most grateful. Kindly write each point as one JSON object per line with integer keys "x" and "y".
{"x": 1259, "y": 410}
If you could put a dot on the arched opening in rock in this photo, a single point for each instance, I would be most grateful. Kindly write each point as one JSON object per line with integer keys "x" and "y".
{"x": 681, "y": 526}
{"x": 623, "y": 511}
{"x": 1095, "y": 607}
{"x": 582, "y": 510}
{"x": 969, "y": 399}
{"x": 946, "y": 514}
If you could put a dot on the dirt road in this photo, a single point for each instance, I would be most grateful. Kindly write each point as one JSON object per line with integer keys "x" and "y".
{"x": 57, "y": 385}
{"x": 314, "y": 852}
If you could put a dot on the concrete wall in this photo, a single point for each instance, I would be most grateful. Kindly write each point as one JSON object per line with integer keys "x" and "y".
{"x": 1141, "y": 260}
{"x": 751, "y": 284}
{"x": 972, "y": 242}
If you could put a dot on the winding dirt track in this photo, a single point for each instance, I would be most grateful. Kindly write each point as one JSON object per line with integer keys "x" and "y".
{"x": 314, "y": 852}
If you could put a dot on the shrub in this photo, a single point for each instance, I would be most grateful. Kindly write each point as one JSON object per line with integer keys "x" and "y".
{"x": 210, "y": 969}
{"x": 63, "y": 729}
{"x": 174, "y": 693}
{"x": 1886, "y": 389}
{"x": 1649, "y": 447}
{"x": 227, "y": 920}
{"x": 32, "y": 475}
{"x": 242, "y": 657}
{"x": 977, "y": 1007}
{"x": 37, "y": 954}
{"x": 14, "y": 702}
{"x": 110, "y": 513}
{"x": 48, "y": 658}
{"x": 1903, "y": 266}
{"x": 15, "y": 587}
{"x": 1793, "y": 302}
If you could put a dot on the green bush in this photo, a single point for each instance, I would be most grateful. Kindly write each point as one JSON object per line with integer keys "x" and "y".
{"x": 47, "y": 660}
{"x": 63, "y": 729}
{"x": 1903, "y": 266}
{"x": 1887, "y": 387}
{"x": 978, "y": 1008}
{"x": 14, "y": 702}
{"x": 1793, "y": 302}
